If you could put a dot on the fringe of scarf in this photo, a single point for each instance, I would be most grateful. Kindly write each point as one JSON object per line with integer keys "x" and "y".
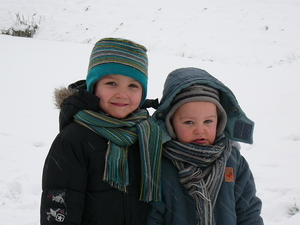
{"x": 201, "y": 172}
{"x": 122, "y": 134}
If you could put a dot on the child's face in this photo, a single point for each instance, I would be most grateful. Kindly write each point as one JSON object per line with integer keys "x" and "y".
{"x": 119, "y": 95}
{"x": 196, "y": 122}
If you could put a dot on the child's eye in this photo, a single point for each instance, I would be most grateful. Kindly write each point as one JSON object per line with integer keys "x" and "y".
{"x": 188, "y": 122}
{"x": 134, "y": 85}
{"x": 111, "y": 83}
{"x": 208, "y": 121}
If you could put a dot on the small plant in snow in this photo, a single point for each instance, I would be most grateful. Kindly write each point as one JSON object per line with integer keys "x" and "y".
{"x": 23, "y": 27}
{"x": 293, "y": 210}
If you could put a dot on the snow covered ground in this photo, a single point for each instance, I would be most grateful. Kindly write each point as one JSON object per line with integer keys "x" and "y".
{"x": 251, "y": 46}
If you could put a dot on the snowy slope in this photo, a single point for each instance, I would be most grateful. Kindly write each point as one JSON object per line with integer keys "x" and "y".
{"x": 252, "y": 47}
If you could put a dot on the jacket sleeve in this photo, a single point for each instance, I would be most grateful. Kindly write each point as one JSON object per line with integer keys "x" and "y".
{"x": 248, "y": 205}
{"x": 64, "y": 182}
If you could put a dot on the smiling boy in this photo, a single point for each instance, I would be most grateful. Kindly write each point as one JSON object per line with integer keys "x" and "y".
{"x": 102, "y": 166}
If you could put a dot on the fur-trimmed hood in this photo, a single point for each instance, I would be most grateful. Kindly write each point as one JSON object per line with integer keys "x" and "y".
{"x": 60, "y": 94}
{"x": 70, "y": 100}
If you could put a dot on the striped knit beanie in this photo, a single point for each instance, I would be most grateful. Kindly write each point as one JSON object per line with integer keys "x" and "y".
{"x": 120, "y": 57}
{"x": 193, "y": 93}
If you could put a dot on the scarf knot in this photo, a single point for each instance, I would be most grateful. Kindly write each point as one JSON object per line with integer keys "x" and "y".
{"x": 122, "y": 133}
{"x": 201, "y": 169}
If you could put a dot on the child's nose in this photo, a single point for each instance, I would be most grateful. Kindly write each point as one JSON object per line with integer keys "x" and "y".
{"x": 121, "y": 93}
{"x": 199, "y": 129}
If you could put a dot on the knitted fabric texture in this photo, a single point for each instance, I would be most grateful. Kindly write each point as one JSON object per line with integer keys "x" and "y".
{"x": 194, "y": 93}
{"x": 201, "y": 169}
{"x": 122, "y": 134}
{"x": 116, "y": 56}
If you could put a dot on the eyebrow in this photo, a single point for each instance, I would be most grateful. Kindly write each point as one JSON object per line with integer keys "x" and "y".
{"x": 194, "y": 117}
{"x": 108, "y": 76}
{"x": 213, "y": 116}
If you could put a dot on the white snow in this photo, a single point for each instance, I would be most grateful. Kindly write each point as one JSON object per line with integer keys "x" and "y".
{"x": 251, "y": 46}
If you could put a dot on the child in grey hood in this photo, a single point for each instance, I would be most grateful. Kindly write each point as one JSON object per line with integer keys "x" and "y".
{"x": 205, "y": 180}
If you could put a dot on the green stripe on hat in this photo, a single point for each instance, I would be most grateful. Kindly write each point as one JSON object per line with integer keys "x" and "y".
{"x": 121, "y": 57}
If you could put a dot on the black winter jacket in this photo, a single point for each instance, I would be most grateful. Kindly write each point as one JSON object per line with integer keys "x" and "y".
{"x": 73, "y": 190}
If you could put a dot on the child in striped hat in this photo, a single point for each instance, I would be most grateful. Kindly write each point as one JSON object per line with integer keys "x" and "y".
{"x": 205, "y": 180}
{"x": 104, "y": 165}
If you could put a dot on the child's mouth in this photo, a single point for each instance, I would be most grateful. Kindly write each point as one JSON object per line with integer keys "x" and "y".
{"x": 200, "y": 141}
{"x": 118, "y": 104}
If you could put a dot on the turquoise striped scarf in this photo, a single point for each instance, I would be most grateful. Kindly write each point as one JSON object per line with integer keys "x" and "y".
{"x": 122, "y": 134}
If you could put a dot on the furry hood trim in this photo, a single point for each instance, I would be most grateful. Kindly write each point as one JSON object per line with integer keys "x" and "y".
{"x": 60, "y": 94}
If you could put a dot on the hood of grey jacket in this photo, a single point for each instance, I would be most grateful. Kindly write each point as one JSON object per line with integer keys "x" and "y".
{"x": 238, "y": 128}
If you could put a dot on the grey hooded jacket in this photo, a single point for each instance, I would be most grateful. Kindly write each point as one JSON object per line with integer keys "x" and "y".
{"x": 237, "y": 202}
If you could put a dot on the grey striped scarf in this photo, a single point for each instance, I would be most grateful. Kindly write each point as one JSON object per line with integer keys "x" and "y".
{"x": 122, "y": 134}
{"x": 201, "y": 171}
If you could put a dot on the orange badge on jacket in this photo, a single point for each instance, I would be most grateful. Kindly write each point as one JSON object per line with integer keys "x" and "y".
{"x": 229, "y": 175}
